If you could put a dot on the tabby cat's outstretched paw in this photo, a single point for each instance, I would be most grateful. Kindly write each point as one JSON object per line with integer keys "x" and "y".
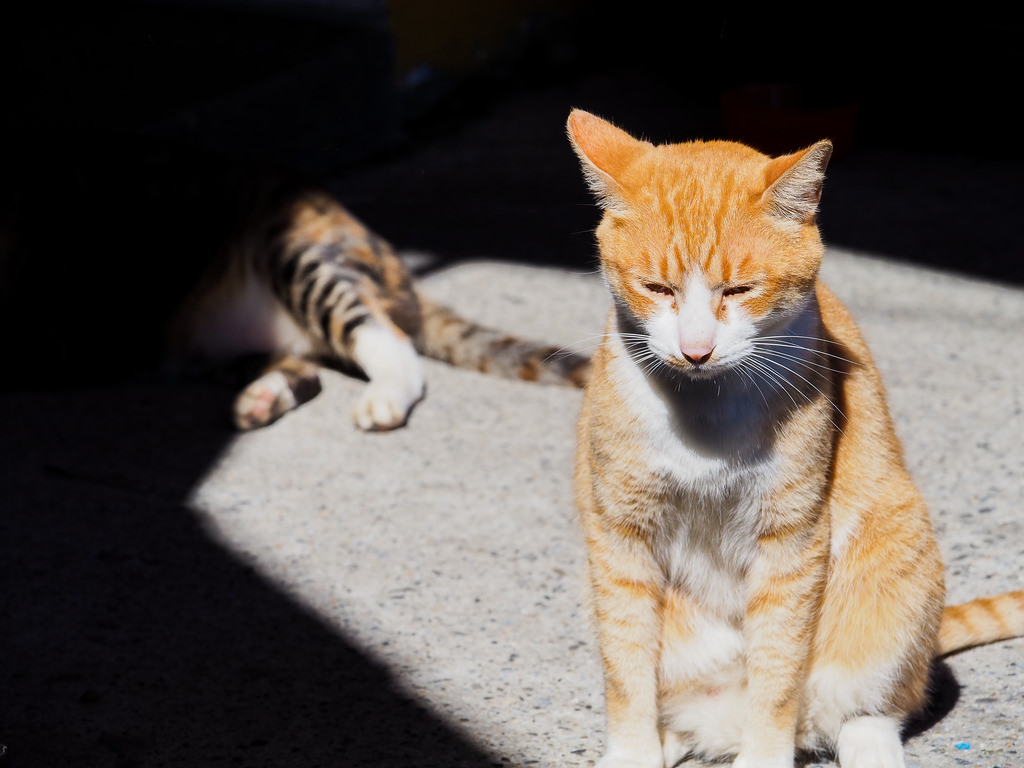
{"x": 263, "y": 402}
{"x": 385, "y": 406}
{"x": 288, "y": 383}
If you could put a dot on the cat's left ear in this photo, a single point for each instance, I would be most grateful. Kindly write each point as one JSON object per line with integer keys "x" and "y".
{"x": 605, "y": 152}
{"x": 794, "y": 183}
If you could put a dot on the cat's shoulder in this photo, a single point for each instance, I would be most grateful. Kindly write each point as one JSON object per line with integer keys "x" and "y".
{"x": 850, "y": 352}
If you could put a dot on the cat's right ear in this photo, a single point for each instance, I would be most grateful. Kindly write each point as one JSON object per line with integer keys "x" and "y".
{"x": 794, "y": 183}
{"x": 604, "y": 152}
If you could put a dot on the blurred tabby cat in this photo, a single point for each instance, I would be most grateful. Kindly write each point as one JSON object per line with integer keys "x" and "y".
{"x": 306, "y": 282}
{"x": 764, "y": 573}
{"x": 254, "y": 266}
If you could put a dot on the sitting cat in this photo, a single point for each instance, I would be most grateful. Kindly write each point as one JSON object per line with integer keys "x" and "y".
{"x": 306, "y": 282}
{"x": 764, "y": 573}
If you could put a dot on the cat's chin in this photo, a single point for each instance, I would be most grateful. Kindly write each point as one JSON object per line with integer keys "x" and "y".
{"x": 702, "y": 372}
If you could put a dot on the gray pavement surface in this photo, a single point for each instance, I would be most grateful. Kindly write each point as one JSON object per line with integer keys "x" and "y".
{"x": 309, "y": 595}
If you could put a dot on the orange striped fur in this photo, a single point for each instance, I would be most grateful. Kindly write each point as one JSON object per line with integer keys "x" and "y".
{"x": 764, "y": 573}
{"x": 306, "y": 282}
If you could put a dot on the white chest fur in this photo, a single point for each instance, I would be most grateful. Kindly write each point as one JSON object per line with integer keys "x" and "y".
{"x": 707, "y": 441}
{"x": 711, "y": 439}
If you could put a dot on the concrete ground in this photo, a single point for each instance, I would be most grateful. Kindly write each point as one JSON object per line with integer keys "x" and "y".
{"x": 309, "y": 595}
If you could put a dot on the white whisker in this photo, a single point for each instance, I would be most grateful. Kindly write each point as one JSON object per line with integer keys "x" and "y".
{"x": 798, "y": 359}
{"x": 812, "y": 385}
{"x": 789, "y": 341}
{"x": 639, "y": 349}
{"x": 772, "y": 377}
{"x": 749, "y": 376}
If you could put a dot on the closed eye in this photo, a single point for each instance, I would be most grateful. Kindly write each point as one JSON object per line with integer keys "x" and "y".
{"x": 658, "y": 288}
{"x": 736, "y": 290}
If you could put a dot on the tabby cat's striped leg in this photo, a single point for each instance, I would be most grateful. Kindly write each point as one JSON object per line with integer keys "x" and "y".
{"x": 393, "y": 366}
{"x": 337, "y": 299}
{"x": 286, "y": 383}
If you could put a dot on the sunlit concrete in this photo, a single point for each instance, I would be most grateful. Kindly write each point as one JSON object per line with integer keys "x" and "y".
{"x": 449, "y": 550}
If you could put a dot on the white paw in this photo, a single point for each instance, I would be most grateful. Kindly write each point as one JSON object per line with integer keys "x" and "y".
{"x": 384, "y": 406}
{"x": 870, "y": 742}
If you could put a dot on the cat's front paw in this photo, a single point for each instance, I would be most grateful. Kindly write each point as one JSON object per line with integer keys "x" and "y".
{"x": 870, "y": 742}
{"x": 385, "y": 406}
{"x": 263, "y": 402}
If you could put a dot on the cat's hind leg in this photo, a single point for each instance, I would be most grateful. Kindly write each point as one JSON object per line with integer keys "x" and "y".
{"x": 285, "y": 384}
{"x": 870, "y": 742}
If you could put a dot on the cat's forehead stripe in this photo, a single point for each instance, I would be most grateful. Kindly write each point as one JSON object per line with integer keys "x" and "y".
{"x": 693, "y": 241}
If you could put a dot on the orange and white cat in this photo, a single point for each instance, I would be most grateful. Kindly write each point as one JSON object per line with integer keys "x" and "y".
{"x": 763, "y": 571}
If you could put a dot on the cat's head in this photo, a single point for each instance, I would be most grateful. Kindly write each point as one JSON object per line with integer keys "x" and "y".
{"x": 705, "y": 245}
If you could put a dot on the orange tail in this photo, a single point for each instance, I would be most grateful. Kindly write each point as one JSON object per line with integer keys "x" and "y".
{"x": 982, "y": 621}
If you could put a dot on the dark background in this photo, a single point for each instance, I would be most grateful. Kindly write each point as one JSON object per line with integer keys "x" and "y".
{"x": 127, "y": 636}
{"x": 128, "y": 129}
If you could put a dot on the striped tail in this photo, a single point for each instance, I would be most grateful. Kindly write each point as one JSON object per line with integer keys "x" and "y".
{"x": 447, "y": 337}
{"x": 981, "y": 621}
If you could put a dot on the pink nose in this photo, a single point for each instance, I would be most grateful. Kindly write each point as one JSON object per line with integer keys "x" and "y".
{"x": 697, "y": 355}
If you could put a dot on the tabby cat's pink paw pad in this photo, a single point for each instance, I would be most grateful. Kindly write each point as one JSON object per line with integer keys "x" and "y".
{"x": 264, "y": 401}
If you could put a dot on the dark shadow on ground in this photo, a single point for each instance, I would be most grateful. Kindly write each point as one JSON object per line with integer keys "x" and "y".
{"x": 944, "y": 692}
{"x": 131, "y": 638}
